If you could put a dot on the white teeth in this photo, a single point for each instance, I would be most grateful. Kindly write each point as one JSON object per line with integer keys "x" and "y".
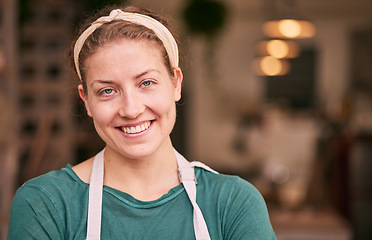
{"x": 136, "y": 129}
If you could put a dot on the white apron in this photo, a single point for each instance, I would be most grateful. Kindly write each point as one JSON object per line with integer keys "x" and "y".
{"x": 187, "y": 178}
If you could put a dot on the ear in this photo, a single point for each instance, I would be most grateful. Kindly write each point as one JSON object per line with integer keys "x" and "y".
{"x": 84, "y": 98}
{"x": 177, "y": 82}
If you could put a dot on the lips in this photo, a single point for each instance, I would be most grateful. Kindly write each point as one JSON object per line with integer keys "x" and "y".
{"x": 136, "y": 129}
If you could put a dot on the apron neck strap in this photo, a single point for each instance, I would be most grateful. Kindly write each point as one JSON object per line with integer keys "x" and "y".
{"x": 95, "y": 198}
{"x": 187, "y": 177}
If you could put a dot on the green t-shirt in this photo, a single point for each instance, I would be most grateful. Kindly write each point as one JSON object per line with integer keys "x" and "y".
{"x": 54, "y": 206}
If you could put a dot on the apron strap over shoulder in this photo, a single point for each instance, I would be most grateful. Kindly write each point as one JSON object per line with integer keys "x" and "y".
{"x": 95, "y": 198}
{"x": 187, "y": 177}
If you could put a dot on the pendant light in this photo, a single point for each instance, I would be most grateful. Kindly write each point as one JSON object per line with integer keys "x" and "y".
{"x": 278, "y": 48}
{"x": 286, "y": 23}
{"x": 283, "y": 28}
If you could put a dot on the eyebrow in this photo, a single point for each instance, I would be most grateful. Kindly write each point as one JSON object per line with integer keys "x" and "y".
{"x": 99, "y": 81}
{"x": 145, "y": 72}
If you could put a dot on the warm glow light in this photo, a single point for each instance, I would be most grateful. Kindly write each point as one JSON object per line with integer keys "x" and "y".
{"x": 278, "y": 48}
{"x": 289, "y": 28}
{"x": 271, "y": 66}
{"x": 308, "y": 29}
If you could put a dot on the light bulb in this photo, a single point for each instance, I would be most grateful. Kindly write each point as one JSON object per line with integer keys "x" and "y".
{"x": 289, "y": 28}
{"x": 278, "y": 48}
{"x": 270, "y": 66}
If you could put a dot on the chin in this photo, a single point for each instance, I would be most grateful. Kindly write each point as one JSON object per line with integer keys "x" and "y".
{"x": 136, "y": 152}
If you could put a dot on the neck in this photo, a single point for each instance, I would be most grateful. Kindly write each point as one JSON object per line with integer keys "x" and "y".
{"x": 145, "y": 179}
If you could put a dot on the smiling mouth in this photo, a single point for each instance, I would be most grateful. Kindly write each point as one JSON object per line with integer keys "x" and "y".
{"x": 136, "y": 129}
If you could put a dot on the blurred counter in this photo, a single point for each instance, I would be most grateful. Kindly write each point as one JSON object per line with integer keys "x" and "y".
{"x": 309, "y": 225}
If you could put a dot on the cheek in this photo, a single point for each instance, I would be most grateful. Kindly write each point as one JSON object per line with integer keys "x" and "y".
{"x": 162, "y": 104}
{"x": 102, "y": 114}
{"x": 167, "y": 112}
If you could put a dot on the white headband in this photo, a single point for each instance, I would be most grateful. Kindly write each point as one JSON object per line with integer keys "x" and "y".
{"x": 160, "y": 30}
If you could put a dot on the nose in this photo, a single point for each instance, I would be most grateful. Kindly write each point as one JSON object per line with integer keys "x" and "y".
{"x": 131, "y": 106}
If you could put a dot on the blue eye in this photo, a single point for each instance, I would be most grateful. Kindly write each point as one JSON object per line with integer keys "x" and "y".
{"x": 107, "y": 91}
{"x": 148, "y": 83}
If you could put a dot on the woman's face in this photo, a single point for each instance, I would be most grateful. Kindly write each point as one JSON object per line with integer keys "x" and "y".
{"x": 131, "y": 97}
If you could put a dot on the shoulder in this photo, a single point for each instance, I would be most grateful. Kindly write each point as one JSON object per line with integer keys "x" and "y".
{"x": 229, "y": 191}
{"x": 50, "y": 192}
{"x": 226, "y": 183}
{"x": 84, "y": 169}
{"x": 52, "y": 187}
{"x": 41, "y": 204}
{"x": 52, "y": 178}
{"x": 241, "y": 207}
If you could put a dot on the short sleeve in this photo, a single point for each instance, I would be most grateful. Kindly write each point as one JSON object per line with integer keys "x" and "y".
{"x": 34, "y": 216}
{"x": 246, "y": 215}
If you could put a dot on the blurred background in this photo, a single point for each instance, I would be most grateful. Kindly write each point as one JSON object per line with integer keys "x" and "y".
{"x": 278, "y": 92}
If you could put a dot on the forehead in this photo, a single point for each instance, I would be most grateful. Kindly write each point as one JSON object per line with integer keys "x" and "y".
{"x": 124, "y": 56}
{"x": 128, "y": 43}
{"x": 122, "y": 43}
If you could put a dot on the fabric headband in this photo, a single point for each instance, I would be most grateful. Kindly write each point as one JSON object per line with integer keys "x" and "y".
{"x": 160, "y": 30}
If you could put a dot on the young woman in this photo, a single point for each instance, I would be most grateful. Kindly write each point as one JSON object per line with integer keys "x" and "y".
{"x": 138, "y": 187}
